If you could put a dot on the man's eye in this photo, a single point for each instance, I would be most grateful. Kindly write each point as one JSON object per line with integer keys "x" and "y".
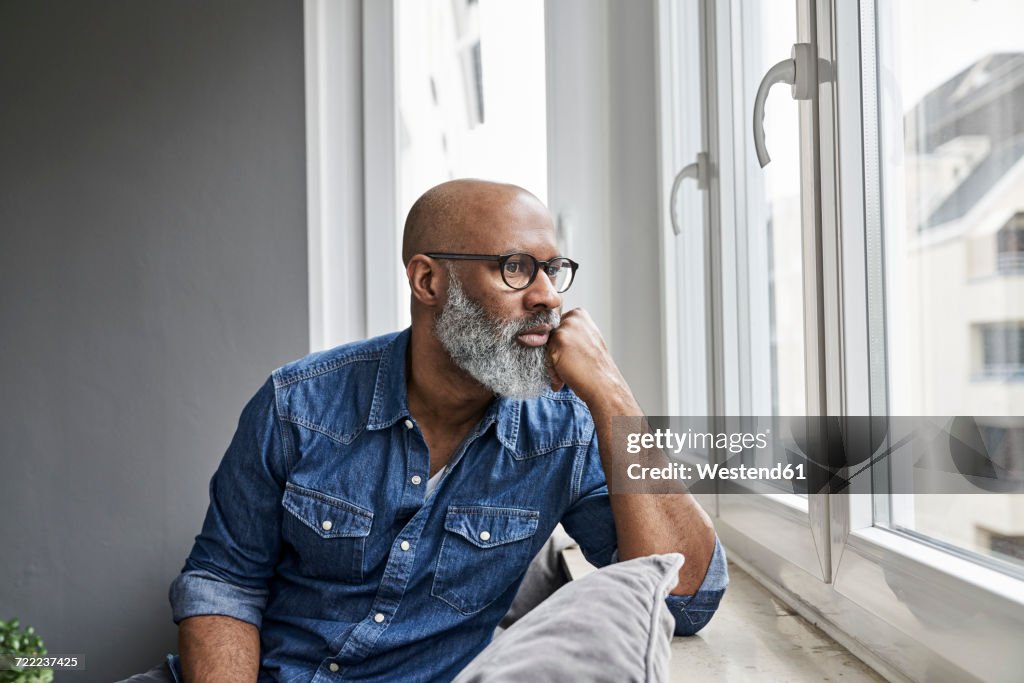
{"x": 511, "y": 267}
{"x": 554, "y": 269}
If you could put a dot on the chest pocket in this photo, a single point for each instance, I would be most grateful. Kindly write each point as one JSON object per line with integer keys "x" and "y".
{"x": 328, "y": 533}
{"x": 484, "y": 550}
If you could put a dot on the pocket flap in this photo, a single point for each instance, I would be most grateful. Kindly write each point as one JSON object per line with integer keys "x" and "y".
{"x": 486, "y": 527}
{"x": 328, "y": 516}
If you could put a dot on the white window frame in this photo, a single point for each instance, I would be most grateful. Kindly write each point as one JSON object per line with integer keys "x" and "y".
{"x": 353, "y": 230}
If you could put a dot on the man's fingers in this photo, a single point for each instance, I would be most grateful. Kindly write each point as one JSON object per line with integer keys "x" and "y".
{"x": 556, "y": 381}
{"x": 551, "y": 356}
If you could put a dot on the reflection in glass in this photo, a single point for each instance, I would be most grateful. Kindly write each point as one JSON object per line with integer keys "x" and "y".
{"x": 951, "y": 92}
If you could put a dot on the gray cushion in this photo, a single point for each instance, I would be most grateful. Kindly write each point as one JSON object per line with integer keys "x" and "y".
{"x": 543, "y": 577}
{"x": 161, "y": 673}
{"x": 612, "y": 625}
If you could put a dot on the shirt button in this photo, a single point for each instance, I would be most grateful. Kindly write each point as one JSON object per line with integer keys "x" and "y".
{"x": 326, "y": 525}
{"x": 408, "y": 424}
{"x": 485, "y": 535}
{"x": 378, "y": 617}
{"x": 416, "y": 479}
{"x": 405, "y": 545}
{"x": 334, "y": 668}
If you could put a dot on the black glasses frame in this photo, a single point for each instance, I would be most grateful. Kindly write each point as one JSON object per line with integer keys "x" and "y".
{"x": 502, "y": 259}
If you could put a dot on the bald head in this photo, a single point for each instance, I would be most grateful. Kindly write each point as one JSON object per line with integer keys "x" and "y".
{"x": 459, "y": 215}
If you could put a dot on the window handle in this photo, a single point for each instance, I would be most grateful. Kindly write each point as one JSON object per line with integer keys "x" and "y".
{"x": 698, "y": 170}
{"x": 797, "y": 71}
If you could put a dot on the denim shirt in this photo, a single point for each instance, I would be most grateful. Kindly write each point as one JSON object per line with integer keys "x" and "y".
{"x": 320, "y": 532}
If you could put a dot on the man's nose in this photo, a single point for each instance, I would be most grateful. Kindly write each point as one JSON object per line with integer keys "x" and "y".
{"x": 542, "y": 293}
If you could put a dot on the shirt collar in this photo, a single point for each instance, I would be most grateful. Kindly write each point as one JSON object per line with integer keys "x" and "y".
{"x": 391, "y": 391}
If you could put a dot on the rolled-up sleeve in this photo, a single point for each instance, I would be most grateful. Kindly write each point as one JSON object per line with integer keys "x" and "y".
{"x": 236, "y": 552}
{"x": 590, "y": 522}
{"x": 693, "y": 612}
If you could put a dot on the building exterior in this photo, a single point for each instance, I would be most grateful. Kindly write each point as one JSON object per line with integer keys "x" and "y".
{"x": 962, "y": 276}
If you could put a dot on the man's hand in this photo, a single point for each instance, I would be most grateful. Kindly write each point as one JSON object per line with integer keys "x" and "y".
{"x": 579, "y": 357}
{"x": 645, "y": 524}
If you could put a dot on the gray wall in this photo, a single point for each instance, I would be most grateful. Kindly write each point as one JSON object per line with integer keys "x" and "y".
{"x": 603, "y": 174}
{"x": 152, "y": 273}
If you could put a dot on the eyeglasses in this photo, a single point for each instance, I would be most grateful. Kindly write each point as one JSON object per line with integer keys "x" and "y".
{"x": 520, "y": 270}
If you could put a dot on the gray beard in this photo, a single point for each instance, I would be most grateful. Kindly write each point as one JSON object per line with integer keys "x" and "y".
{"x": 486, "y": 347}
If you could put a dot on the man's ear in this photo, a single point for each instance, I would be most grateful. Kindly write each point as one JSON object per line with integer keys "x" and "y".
{"x": 427, "y": 280}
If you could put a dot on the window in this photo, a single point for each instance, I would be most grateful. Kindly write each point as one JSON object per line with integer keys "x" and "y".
{"x": 758, "y": 336}
{"x": 1010, "y": 246}
{"x": 470, "y": 97}
{"x": 950, "y": 84}
{"x": 870, "y": 269}
{"x": 1002, "y": 353}
{"x": 471, "y": 94}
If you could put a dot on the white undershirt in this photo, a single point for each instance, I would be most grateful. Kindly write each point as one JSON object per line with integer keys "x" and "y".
{"x": 432, "y": 482}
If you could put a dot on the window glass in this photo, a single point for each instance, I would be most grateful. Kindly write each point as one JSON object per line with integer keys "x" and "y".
{"x": 683, "y": 138}
{"x": 1010, "y": 245}
{"x": 769, "y": 308}
{"x": 951, "y": 93}
{"x": 765, "y": 260}
{"x": 471, "y": 94}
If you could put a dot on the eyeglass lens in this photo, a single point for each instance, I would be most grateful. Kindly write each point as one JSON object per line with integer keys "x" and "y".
{"x": 519, "y": 271}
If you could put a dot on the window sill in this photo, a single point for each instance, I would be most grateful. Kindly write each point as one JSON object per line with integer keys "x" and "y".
{"x": 929, "y": 564}
{"x": 753, "y": 636}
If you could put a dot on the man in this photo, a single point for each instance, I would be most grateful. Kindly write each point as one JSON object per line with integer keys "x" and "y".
{"x": 381, "y": 501}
